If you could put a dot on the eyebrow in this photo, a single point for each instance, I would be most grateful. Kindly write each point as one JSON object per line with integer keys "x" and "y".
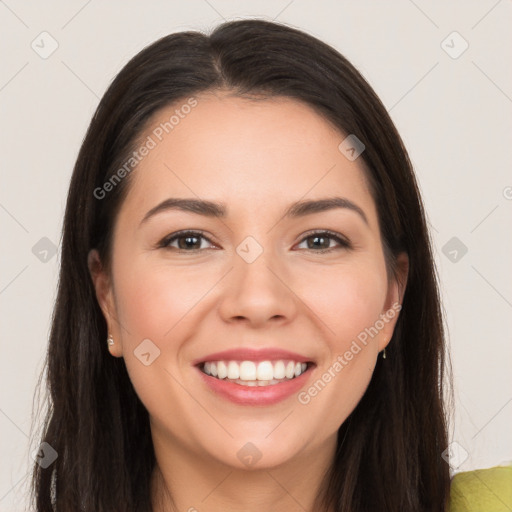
{"x": 219, "y": 210}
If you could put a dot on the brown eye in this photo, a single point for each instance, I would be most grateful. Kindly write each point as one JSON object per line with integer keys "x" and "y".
{"x": 187, "y": 241}
{"x": 322, "y": 241}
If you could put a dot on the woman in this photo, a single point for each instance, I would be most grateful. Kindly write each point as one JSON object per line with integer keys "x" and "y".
{"x": 247, "y": 316}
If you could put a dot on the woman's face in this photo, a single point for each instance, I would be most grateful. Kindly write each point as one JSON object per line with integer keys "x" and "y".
{"x": 256, "y": 279}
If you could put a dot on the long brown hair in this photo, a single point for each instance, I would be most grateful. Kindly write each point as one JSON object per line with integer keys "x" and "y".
{"x": 388, "y": 456}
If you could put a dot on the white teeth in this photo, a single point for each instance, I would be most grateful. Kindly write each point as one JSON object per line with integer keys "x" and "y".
{"x": 265, "y": 371}
{"x": 233, "y": 370}
{"x": 290, "y": 370}
{"x": 247, "y": 370}
{"x": 279, "y": 370}
{"x": 252, "y": 373}
{"x": 222, "y": 370}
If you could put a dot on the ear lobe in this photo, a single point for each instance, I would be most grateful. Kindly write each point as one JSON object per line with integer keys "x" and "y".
{"x": 394, "y": 299}
{"x": 101, "y": 283}
{"x": 402, "y": 262}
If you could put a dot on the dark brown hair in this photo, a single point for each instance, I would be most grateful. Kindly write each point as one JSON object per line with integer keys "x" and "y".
{"x": 388, "y": 456}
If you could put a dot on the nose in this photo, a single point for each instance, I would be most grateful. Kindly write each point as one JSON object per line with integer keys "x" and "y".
{"x": 257, "y": 293}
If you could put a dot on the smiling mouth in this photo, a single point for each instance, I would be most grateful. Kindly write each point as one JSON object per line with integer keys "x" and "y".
{"x": 252, "y": 373}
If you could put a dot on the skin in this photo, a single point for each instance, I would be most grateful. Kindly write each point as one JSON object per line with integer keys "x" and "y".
{"x": 257, "y": 157}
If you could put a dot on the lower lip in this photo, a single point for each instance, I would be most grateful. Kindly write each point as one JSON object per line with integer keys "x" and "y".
{"x": 256, "y": 395}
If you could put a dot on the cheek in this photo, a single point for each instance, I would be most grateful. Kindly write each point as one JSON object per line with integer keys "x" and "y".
{"x": 347, "y": 301}
{"x": 154, "y": 302}
{"x": 346, "y": 298}
{"x": 153, "y": 298}
{"x": 157, "y": 301}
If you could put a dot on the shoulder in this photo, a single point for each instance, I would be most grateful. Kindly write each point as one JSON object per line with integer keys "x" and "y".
{"x": 482, "y": 490}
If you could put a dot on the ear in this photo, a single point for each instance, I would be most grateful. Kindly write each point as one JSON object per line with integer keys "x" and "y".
{"x": 105, "y": 295}
{"x": 393, "y": 304}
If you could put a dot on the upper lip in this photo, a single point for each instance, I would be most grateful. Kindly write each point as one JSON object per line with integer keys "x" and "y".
{"x": 249, "y": 354}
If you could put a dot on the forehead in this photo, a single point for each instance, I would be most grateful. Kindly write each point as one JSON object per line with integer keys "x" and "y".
{"x": 248, "y": 153}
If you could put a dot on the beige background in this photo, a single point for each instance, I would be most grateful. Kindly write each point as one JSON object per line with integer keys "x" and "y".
{"x": 453, "y": 110}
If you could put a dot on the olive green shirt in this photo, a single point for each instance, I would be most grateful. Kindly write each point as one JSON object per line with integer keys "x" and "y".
{"x": 482, "y": 490}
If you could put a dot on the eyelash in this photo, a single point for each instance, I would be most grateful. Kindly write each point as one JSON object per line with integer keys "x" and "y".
{"x": 343, "y": 243}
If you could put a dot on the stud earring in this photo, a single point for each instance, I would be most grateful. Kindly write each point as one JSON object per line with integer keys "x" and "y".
{"x": 110, "y": 340}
